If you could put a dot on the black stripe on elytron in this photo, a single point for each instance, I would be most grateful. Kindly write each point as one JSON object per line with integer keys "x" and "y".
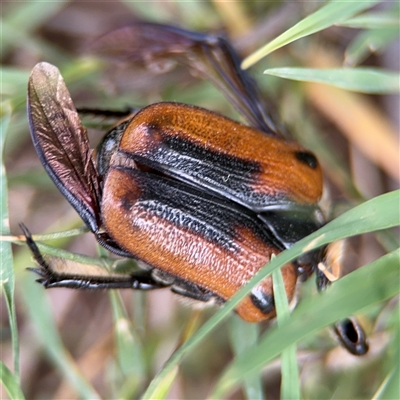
{"x": 307, "y": 158}
{"x": 229, "y": 176}
{"x": 190, "y": 209}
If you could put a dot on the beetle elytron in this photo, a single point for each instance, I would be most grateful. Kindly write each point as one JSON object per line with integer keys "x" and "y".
{"x": 202, "y": 201}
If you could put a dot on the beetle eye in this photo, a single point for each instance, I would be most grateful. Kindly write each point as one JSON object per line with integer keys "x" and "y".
{"x": 307, "y": 158}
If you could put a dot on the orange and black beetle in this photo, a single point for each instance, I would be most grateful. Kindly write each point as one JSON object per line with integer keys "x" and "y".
{"x": 201, "y": 200}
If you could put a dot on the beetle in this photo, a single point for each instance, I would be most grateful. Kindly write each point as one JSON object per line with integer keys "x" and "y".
{"x": 201, "y": 201}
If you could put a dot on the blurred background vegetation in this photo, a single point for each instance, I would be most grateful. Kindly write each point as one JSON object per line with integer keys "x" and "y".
{"x": 68, "y": 346}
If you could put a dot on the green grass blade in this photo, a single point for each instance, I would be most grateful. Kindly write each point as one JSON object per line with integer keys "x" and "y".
{"x": 10, "y": 383}
{"x": 164, "y": 386}
{"x": 331, "y": 13}
{"x": 372, "y": 21}
{"x": 29, "y": 16}
{"x": 62, "y": 234}
{"x": 243, "y": 336}
{"x": 390, "y": 387}
{"x": 79, "y": 258}
{"x": 23, "y": 18}
{"x": 376, "y": 214}
{"x": 7, "y": 277}
{"x": 12, "y": 81}
{"x": 373, "y": 40}
{"x": 290, "y": 382}
{"x": 373, "y": 283}
{"x": 40, "y": 311}
{"x": 365, "y": 80}
{"x": 130, "y": 353}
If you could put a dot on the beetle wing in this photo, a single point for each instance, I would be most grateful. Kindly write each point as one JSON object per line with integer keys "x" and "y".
{"x": 233, "y": 160}
{"x": 61, "y": 142}
{"x": 214, "y": 244}
{"x": 210, "y": 56}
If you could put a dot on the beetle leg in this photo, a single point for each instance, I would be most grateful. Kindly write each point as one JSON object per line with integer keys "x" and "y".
{"x": 321, "y": 280}
{"x": 49, "y": 278}
{"x": 181, "y": 286}
{"x": 127, "y": 112}
{"x": 348, "y": 330}
{"x": 192, "y": 291}
{"x": 138, "y": 282}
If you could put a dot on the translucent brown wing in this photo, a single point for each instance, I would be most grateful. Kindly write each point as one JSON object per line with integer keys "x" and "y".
{"x": 210, "y": 56}
{"x": 61, "y": 142}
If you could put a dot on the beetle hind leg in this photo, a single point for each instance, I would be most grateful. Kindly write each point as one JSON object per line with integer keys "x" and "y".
{"x": 182, "y": 287}
{"x": 44, "y": 269}
{"x": 49, "y": 278}
{"x": 192, "y": 291}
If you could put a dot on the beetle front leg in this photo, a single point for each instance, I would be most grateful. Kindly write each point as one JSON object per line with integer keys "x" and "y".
{"x": 50, "y": 279}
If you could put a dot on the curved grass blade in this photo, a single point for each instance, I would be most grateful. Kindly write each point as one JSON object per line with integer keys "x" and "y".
{"x": 12, "y": 81}
{"x": 243, "y": 336}
{"x": 40, "y": 311}
{"x": 331, "y": 13}
{"x": 75, "y": 257}
{"x": 129, "y": 348}
{"x": 373, "y": 283}
{"x": 290, "y": 382}
{"x": 365, "y": 80}
{"x": 38, "y": 307}
{"x": 367, "y": 42}
{"x": 7, "y": 278}
{"x": 23, "y": 18}
{"x": 10, "y": 383}
{"x": 164, "y": 385}
{"x": 372, "y": 21}
{"x": 376, "y": 214}
{"x": 390, "y": 387}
